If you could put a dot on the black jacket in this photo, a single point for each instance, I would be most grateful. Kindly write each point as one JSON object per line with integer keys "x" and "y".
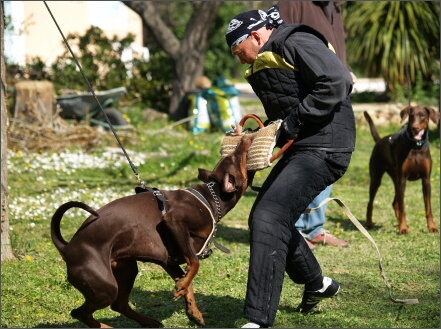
{"x": 295, "y": 73}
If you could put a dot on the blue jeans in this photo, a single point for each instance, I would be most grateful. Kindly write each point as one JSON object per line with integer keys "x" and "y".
{"x": 312, "y": 224}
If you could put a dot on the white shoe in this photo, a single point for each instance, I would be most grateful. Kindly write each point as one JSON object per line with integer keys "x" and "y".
{"x": 251, "y": 325}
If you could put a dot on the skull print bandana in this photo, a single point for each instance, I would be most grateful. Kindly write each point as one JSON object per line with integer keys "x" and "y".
{"x": 243, "y": 24}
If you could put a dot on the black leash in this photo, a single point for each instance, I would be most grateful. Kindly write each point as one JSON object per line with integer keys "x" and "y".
{"x": 135, "y": 171}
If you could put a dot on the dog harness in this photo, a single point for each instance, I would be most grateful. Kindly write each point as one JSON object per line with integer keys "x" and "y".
{"x": 205, "y": 251}
{"x": 157, "y": 193}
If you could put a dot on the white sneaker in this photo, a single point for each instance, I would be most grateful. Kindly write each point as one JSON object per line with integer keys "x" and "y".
{"x": 251, "y": 325}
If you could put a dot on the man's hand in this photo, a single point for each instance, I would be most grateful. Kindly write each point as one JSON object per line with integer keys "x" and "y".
{"x": 291, "y": 126}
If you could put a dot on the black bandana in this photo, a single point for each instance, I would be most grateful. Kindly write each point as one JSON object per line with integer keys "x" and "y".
{"x": 243, "y": 24}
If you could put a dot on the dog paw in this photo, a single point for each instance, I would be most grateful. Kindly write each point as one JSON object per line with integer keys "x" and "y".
{"x": 404, "y": 230}
{"x": 196, "y": 317}
{"x": 370, "y": 225}
{"x": 179, "y": 290}
{"x": 433, "y": 230}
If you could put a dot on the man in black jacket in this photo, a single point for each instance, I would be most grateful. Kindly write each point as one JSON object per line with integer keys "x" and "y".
{"x": 326, "y": 17}
{"x": 300, "y": 80}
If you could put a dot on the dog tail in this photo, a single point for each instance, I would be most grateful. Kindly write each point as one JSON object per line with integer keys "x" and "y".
{"x": 374, "y": 131}
{"x": 56, "y": 236}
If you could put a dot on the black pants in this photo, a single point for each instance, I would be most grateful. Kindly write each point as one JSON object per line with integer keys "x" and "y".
{"x": 275, "y": 244}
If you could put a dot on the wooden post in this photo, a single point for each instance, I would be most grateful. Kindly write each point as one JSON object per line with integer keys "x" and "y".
{"x": 34, "y": 102}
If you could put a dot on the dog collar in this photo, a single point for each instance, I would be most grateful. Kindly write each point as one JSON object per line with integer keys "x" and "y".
{"x": 418, "y": 144}
{"x": 205, "y": 250}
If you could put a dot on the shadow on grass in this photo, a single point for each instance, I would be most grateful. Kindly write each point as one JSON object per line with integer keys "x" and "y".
{"x": 218, "y": 311}
{"x": 232, "y": 234}
{"x": 347, "y": 224}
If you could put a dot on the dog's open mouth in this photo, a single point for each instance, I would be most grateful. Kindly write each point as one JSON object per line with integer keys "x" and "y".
{"x": 229, "y": 183}
{"x": 418, "y": 135}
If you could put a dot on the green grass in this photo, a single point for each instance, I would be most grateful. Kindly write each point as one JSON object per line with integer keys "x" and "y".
{"x": 35, "y": 292}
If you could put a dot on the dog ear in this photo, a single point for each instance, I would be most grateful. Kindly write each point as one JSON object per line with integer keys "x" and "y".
{"x": 204, "y": 175}
{"x": 405, "y": 113}
{"x": 433, "y": 115}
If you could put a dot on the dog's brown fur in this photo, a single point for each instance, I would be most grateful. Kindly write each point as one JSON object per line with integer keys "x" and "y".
{"x": 102, "y": 256}
{"x": 403, "y": 159}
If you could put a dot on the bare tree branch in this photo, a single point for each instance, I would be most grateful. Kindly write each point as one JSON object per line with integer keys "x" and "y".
{"x": 156, "y": 26}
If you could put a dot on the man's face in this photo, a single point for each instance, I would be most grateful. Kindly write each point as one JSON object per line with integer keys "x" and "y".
{"x": 247, "y": 50}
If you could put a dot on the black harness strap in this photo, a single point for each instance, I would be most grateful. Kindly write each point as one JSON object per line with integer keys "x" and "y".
{"x": 157, "y": 193}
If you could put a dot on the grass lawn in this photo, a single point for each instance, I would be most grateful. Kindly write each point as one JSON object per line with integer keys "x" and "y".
{"x": 35, "y": 292}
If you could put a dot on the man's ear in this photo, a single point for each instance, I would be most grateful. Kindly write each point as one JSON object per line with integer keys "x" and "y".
{"x": 256, "y": 36}
{"x": 204, "y": 175}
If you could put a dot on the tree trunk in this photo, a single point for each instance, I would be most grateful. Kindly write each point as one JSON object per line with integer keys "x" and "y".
{"x": 188, "y": 54}
{"x": 189, "y": 65}
{"x": 6, "y": 250}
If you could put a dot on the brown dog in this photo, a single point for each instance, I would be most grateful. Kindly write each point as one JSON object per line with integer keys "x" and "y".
{"x": 404, "y": 155}
{"x": 102, "y": 256}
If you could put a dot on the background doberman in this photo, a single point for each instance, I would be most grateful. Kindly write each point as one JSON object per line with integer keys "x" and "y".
{"x": 404, "y": 155}
{"x": 168, "y": 228}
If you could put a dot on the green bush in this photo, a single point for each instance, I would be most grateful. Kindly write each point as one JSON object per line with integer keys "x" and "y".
{"x": 151, "y": 83}
{"x": 100, "y": 58}
{"x": 423, "y": 92}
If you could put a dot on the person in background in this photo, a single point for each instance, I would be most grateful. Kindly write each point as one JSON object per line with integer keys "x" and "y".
{"x": 301, "y": 81}
{"x": 325, "y": 17}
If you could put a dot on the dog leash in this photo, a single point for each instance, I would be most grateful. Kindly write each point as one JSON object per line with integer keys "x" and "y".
{"x": 367, "y": 235}
{"x": 135, "y": 171}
